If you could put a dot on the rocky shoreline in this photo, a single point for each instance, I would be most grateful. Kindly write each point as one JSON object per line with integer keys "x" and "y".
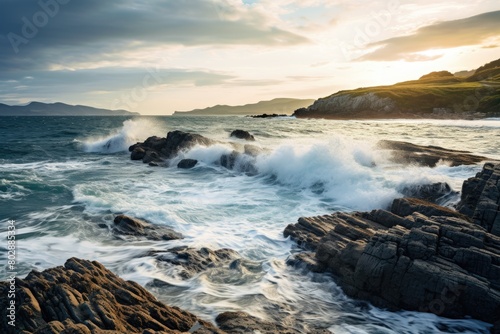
{"x": 416, "y": 255}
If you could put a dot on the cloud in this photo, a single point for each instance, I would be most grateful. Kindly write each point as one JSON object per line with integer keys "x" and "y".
{"x": 473, "y": 30}
{"x": 96, "y": 28}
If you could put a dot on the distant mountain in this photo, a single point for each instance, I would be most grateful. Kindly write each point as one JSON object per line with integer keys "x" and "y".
{"x": 435, "y": 95}
{"x": 275, "y": 106}
{"x": 58, "y": 109}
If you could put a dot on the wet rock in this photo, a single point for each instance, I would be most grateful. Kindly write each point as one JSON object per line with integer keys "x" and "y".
{"x": 434, "y": 192}
{"x": 481, "y": 198}
{"x": 229, "y": 160}
{"x": 129, "y": 226}
{"x": 155, "y": 149}
{"x": 406, "y": 206}
{"x": 242, "y": 134}
{"x": 187, "y": 163}
{"x": 84, "y": 297}
{"x": 419, "y": 256}
{"x": 270, "y": 115}
{"x": 252, "y": 150}
{"x": 242, "y": 323}
{"x": 194, "y": 261}
{"x": 407, "y": 153}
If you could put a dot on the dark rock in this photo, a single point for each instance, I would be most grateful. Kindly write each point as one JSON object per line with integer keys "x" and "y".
{"x": 242, "y": 134}
{"x": 434, "y": 192}
{"x": 129, "y": 226}
{"x": 407, "y": 153}
{"x": 406, "y": 206}
{"x": 194, "y": 261}
{"x": 85, "y": 297}
{"x": 229, "y": 160}
{"x": 187, "y": 163}
{"x": 270, "y": 115}
{"x": 155, "y": 149}
{"x": 481, "y": 198}
{"x": 137, "y": 153}
{"x": 242, "y": 323}
{"x": 418, "y": 257}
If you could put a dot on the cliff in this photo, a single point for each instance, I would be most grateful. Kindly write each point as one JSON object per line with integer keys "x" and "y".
{"x": 435, "y": 95}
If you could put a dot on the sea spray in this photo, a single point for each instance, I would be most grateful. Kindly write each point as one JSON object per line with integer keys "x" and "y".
{"x": 132, "y": 131}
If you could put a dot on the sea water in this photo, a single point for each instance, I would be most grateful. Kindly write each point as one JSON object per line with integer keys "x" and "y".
{"x": 63, "y": 179}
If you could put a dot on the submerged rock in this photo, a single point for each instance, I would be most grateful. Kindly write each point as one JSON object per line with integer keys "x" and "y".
{"x": 129, "y": 226}
{"x": 193, "y": 261}
{"x": 418, "y": 256}
{"x": 85, "y": 297}
{"x": 242, "y": 134}
{"x": 242, "y": 323}
{"x": 481, "y": 198}
{"x": 407, "y": 153}
{"x": 187, "y": 163}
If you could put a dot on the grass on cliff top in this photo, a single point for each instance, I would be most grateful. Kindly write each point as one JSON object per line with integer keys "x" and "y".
{"x": 457, "y": 94}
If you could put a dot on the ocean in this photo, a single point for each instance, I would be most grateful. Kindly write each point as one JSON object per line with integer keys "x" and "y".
{"x": 63, "y": 179}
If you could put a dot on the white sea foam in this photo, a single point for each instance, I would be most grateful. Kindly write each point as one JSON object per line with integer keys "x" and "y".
{"x": 131, "y": 132}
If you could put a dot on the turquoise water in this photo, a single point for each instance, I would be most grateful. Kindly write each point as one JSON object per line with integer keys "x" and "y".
{"x": 63, "y": 179}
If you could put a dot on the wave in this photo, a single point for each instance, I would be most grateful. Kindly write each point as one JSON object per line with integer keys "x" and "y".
{"x": 132, "y": 131}
{"x": 350, "y": 174}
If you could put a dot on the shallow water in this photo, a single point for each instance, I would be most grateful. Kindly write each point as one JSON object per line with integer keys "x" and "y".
{"x": 62, "y": 178}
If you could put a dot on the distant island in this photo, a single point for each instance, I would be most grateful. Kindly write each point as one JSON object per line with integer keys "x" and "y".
{"x": 59, "y": 109}
{"x": 463, "y": 95}
{"x": 275, "y": 106}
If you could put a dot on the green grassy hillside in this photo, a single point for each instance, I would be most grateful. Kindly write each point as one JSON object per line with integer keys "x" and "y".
{"x": 436, "y": 95}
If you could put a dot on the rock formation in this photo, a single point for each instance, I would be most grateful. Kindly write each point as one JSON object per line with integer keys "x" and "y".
{"x": 187, "y": 163}
{"x": 129, "y": 226}
{"x": 242, "y": 134}
{"x": 155, "y": 149}
{"x": 84, "y": 297}
{"x": 481, "y": 198}
{"x": 417, "y": 256}
{"x": 193, "y": 261}
{"x": 408, "y": 153}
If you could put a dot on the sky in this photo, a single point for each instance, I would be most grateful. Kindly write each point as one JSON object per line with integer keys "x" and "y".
{"x": 160, "y": 56}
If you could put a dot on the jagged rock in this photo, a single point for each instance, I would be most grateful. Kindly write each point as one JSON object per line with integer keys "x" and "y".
{"x": 84, "y": 297}
{"x": 129, "y": 226}
{"x": 187, "y": 163}
{"x": 418, "y": 257}
{"x": 433, "y": 192}
{"x": 155, "y": 149}
{"x": 242, "y": 134}
{"x": 406, "y": 206}
{"x": 407, "y": 153}
{"x": 242, "y": 323}
{"x": 481, "y": 198}
{"x": 194, "y": 261}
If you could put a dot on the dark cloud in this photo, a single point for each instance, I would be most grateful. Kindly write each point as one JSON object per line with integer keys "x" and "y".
{"x": 41, "y": 39}
{"x": 449, "y": 34}
{"x": 95, "y": 27}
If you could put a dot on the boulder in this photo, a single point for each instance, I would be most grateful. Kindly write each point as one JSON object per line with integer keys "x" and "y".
{"x": 85, "y": 297}
{"x": 481, "y": 198}
{"x": 419, "y": 256}
{"x": 242, "y": 134}
{"x": 187, "y": 163}
{"x": 155, "y": 149}
{"x": 129, "y": 226}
